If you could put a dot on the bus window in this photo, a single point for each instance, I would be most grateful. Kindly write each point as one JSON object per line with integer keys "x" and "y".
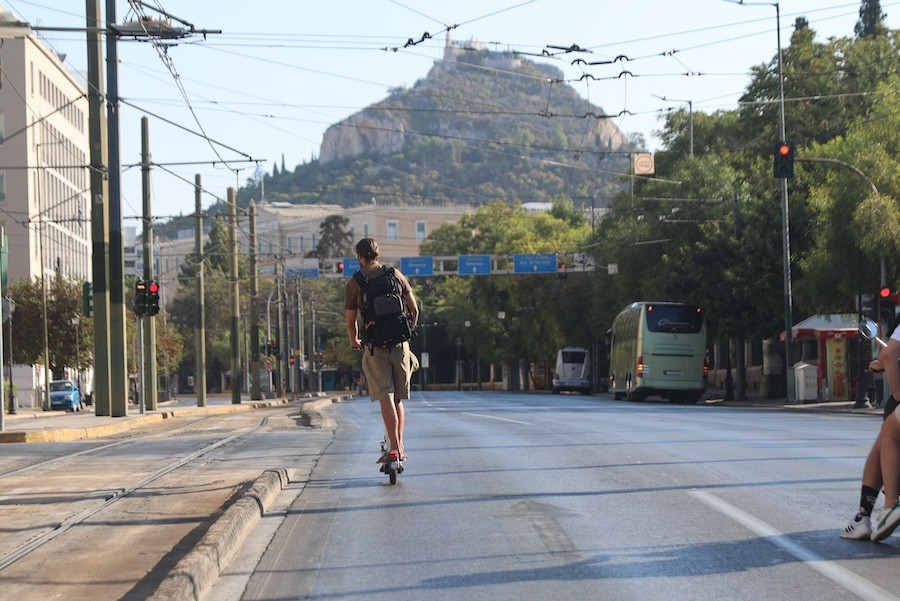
{"x": 679, "y": 319}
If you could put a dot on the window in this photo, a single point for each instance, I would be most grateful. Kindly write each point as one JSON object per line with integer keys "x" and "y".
{"x": 2, "y": 187}
{"x": 2, "y": 126}
{"x": 365, "y": 230}
{"x": 420, "y": 231}
{"x": 392, "y": 230}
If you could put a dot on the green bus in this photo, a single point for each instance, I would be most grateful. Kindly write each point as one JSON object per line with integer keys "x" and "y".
{"x": 658, "y": 349}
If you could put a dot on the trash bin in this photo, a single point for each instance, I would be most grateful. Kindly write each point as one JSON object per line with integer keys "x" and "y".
{"x": 806, "y": 382}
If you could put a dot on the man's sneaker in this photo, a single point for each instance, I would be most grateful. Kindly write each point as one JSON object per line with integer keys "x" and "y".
{"x": 859, "y": 528}
{"x": 889, "y": 520}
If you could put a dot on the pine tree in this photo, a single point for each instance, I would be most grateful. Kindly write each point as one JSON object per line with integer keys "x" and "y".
{"x": 871, "y": 19}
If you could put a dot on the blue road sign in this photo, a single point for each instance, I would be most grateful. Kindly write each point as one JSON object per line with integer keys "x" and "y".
{"x": 537, "y": 263}
{"x": 474, "y": 265}
{"x": 292, "y": 273}
{"x": 351, "y": 266}
{"x": 411, "y": 266}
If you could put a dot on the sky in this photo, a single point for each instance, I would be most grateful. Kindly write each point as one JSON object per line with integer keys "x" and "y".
{"x": 262, "y": 86}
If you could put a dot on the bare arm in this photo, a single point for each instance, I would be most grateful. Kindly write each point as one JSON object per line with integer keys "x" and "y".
{"x": 411, "y": 306}
{"x": 353, "y": 329}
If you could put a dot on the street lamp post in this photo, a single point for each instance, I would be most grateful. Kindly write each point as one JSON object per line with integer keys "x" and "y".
{"x": 75, "y": 321}
{"x": 785, "y": 220}
{"x": 12, "y": 395}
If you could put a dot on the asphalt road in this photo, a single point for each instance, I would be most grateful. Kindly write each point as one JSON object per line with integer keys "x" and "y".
{"x": 513, "y": 496}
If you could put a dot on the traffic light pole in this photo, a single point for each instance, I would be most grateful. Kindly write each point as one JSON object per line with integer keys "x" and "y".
{"x": 150, "y": 400}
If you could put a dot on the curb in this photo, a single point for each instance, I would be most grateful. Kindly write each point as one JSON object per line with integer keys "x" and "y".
{"x": 196, "y": 573}
{"x": 66, "y": 434}
{"x": 128, "y": 423}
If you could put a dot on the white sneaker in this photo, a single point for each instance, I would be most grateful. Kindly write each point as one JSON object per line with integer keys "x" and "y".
{"x": 859, "y": 528}
{"x": 888, "y": 522}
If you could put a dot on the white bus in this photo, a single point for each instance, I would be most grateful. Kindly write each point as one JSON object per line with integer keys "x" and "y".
{"x": 658, "y": 349}
{"x": 573, "y": 370}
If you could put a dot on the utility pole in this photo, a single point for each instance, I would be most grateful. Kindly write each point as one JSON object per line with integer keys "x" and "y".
{"x": 300, "y": 350}
{"x": 279, "y": 329}
{"x": 255, "y": 392}
{"x": 118, "y": 365}
{"x": 236, "y": 376}
{"x": 150, "y": 400}
{"x": 200, "y": 325}
{"x": 97, "y": 134}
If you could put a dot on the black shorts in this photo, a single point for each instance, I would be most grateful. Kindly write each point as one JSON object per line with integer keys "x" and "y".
{"x": 889, "y": 406}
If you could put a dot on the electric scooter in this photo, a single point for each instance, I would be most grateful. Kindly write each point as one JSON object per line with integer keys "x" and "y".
{"x": 393, "y": 466}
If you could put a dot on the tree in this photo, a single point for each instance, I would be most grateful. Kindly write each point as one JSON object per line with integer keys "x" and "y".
{"x": 64, "y": 301}
{"x": 871, "y": 19}
{"x": 335, "y": 240}
{"x": 216, "y": 255}
{"x": 854, "y": 226}
{"x": 540, "y": 312}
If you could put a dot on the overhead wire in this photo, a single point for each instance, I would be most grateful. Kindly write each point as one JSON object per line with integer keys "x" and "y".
{"x": 623, "y": 115}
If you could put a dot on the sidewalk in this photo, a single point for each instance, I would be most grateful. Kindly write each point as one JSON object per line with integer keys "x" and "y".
{"x": 715, "y": 396}
{"x": 29, "y": 425}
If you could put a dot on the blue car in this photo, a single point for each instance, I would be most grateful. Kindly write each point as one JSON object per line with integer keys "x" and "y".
{"x": 64, "y": 394}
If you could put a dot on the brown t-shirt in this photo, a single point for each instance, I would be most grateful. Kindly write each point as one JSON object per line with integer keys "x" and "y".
{"x": 353, "y": 292}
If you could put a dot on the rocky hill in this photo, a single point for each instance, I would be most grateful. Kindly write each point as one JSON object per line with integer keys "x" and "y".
{"x": 481, "y": 126}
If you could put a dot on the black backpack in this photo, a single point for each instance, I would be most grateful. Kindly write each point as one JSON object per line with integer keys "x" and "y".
{"x": 385, "y": 321}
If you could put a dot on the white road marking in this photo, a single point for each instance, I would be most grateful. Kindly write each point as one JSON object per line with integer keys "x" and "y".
{"x": 502, "y": 419}
{"x": 831, "y": 570}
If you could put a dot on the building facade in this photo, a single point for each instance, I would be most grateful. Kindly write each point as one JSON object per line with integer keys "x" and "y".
{"x": 44, "y": 158}
{"x": 44, "y": 171}
{"x": 286, "y": 233}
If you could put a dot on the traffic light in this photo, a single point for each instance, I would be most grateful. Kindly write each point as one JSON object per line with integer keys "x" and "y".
{"x": 340, "y": 267}
{"x": 868, "y": 307}
{"x": 887, "y": 305}
{"x": 561, "y": 273}
{"x": 141, "y": 297}
{"x": 784, "y": 160}
{"x": 87, "y": 299}
{"x": 152, "y": 298}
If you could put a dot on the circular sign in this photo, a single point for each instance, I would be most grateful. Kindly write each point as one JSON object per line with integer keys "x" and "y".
{"x": 643, "y": 164}
{"x": 269, "y": 363}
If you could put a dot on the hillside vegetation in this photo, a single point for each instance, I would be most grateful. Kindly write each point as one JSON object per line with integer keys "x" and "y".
{"x": 480, "y": 127}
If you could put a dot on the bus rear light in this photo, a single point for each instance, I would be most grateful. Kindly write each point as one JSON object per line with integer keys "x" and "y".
{"x": 640, "y": 367}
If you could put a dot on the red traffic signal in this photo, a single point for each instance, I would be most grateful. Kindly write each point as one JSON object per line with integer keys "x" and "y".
{"x": 888, "y": 302}
{"x": 152, "y": 297}
{"x": 784, "y": 160}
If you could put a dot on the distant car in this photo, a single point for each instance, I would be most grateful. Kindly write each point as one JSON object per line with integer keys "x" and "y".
{"x": 64, "y": 394}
